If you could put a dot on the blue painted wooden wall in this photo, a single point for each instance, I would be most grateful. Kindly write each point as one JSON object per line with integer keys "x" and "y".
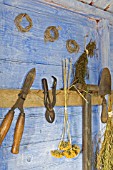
{"x": 19, "y": 52}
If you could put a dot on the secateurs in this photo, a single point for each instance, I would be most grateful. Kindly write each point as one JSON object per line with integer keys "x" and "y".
{"x": 49, "y": 114}
{"x": 4, "y": 127}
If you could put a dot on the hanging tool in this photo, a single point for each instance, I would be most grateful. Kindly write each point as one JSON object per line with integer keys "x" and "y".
{"x": 49, "y": 114}
{"x": 5, "y": 126}
{"x": 104, "y": 89}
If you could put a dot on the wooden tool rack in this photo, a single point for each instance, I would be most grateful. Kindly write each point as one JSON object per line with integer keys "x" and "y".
{"x": 35, "y": 99}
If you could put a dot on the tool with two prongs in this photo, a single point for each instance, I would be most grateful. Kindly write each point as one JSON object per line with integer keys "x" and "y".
{"x": 104, "y": 89}
{"x": 4, "y": 127}
{"x": 49, "y": 114}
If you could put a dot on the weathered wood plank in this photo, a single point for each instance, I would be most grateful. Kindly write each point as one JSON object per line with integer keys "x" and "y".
{"x": 75, "y": 6}
{"x": 35, "y": 156}
{"x": 38, "y": 130}
{"x": 21, "y": 52}
{"x": 85, "y": 1}
{"x": 15, "y": 73}
{"x": 82, "y": 8}
{"x": 102, "y": 4}
{"x": 35, "y": 98}
{"x": 104, "y": 43}
{"x": 87, "y": 134}
{"x": 111, "y": 52}
{"x": 36, "y": 137}
{"x": 110, "y": 9}
{"x": 32, "y": 43}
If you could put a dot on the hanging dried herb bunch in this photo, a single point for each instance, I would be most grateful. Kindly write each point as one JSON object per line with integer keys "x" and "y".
{"x": 18, "y": 20}
{"x": 91, "y": 47}
{"x": 48, "y": 34}
{"x": 81, "y": 64}
{"x": 105, "y": 156}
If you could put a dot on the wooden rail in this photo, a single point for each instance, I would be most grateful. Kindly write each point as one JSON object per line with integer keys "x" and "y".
{"x": 35, "y": 98}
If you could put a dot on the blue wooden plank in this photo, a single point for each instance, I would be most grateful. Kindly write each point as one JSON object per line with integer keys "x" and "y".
{"x": 102, "y": 4}
{"x": 111, "y": 52}
{"x": 21, "y": 52}
{"x": 28, "y": 157}
{"x": 71, "y": 5}
{"x": 32, "y": 43}
{"x": 15, "y": 73}
{"x": 37, "y": 129}
{"x": 1, "y": 1}
{"x": 105, "y": 43}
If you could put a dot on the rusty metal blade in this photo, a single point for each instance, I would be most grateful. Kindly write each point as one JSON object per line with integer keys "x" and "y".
{"x": 28, "y": 81}
{"x": 25, "y": 90}
{"x": 105, "y": 82}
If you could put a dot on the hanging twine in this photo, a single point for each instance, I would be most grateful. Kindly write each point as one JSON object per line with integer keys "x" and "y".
{"x": 18, "y": 20}
{"x": 105, "y": 155}
{"x": 65, "y": 148}
{"x": 48, "y": 36}
{"x": 72, "y": 46}
{"x": 69, "y": 150}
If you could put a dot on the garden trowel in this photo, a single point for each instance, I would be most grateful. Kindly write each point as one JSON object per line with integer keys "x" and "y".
{"x": 104, "y": 89}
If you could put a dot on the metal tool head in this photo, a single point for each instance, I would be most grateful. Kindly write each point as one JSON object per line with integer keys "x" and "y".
{"x": 25, "y": 90}
{"x": 50, "y": 116}
{"x": 29, "y": 81}
{"x": 49, "y": 103}
{"x": 105, "y": 82}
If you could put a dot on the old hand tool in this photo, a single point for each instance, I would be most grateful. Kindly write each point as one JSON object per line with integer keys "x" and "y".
{"x": 50, "y": 114}
{"x": 21, "y": 119}
{"x": 104, "y": 89}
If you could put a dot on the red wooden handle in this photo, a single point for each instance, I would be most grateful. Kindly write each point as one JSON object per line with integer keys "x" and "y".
{"x": 18, "y": 133}
{"x": 6, "y": 123}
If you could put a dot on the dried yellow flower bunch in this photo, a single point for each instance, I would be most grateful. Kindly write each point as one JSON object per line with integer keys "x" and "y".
{"x": 64, "y": 145}
{"x": 73, "y": 152}
{"x": 57, "y": 154}
{"x": 65, "y": 148}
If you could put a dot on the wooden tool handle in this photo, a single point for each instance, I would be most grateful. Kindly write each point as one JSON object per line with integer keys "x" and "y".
{"x": 104, "y": 113}
{"x": 6, "y": 125}
{"x": 18, "y": 133}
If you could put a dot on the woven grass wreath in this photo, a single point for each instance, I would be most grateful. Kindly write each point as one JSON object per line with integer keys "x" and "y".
{"x": 72, "y": 46}
{"x": 18, "y": 20}
{"x": 48, "y": 36}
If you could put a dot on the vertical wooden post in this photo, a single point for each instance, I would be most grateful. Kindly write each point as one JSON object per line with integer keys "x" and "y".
{"x": 87, "y": 134}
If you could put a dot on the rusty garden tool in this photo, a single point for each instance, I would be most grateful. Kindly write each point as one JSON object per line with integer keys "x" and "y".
{"x": 21, "y": 119}
{"x": 49, "y": 114}
{"x": 104, "y": 89}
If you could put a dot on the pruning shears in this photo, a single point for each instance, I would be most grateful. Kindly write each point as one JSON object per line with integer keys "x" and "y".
{"x": 6, "y": 123}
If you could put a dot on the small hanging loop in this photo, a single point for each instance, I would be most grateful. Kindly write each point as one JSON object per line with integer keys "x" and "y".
{"x": 72, "y": 46}
{"x": 18, "y": 20}
{"x": 48, "y": 36}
